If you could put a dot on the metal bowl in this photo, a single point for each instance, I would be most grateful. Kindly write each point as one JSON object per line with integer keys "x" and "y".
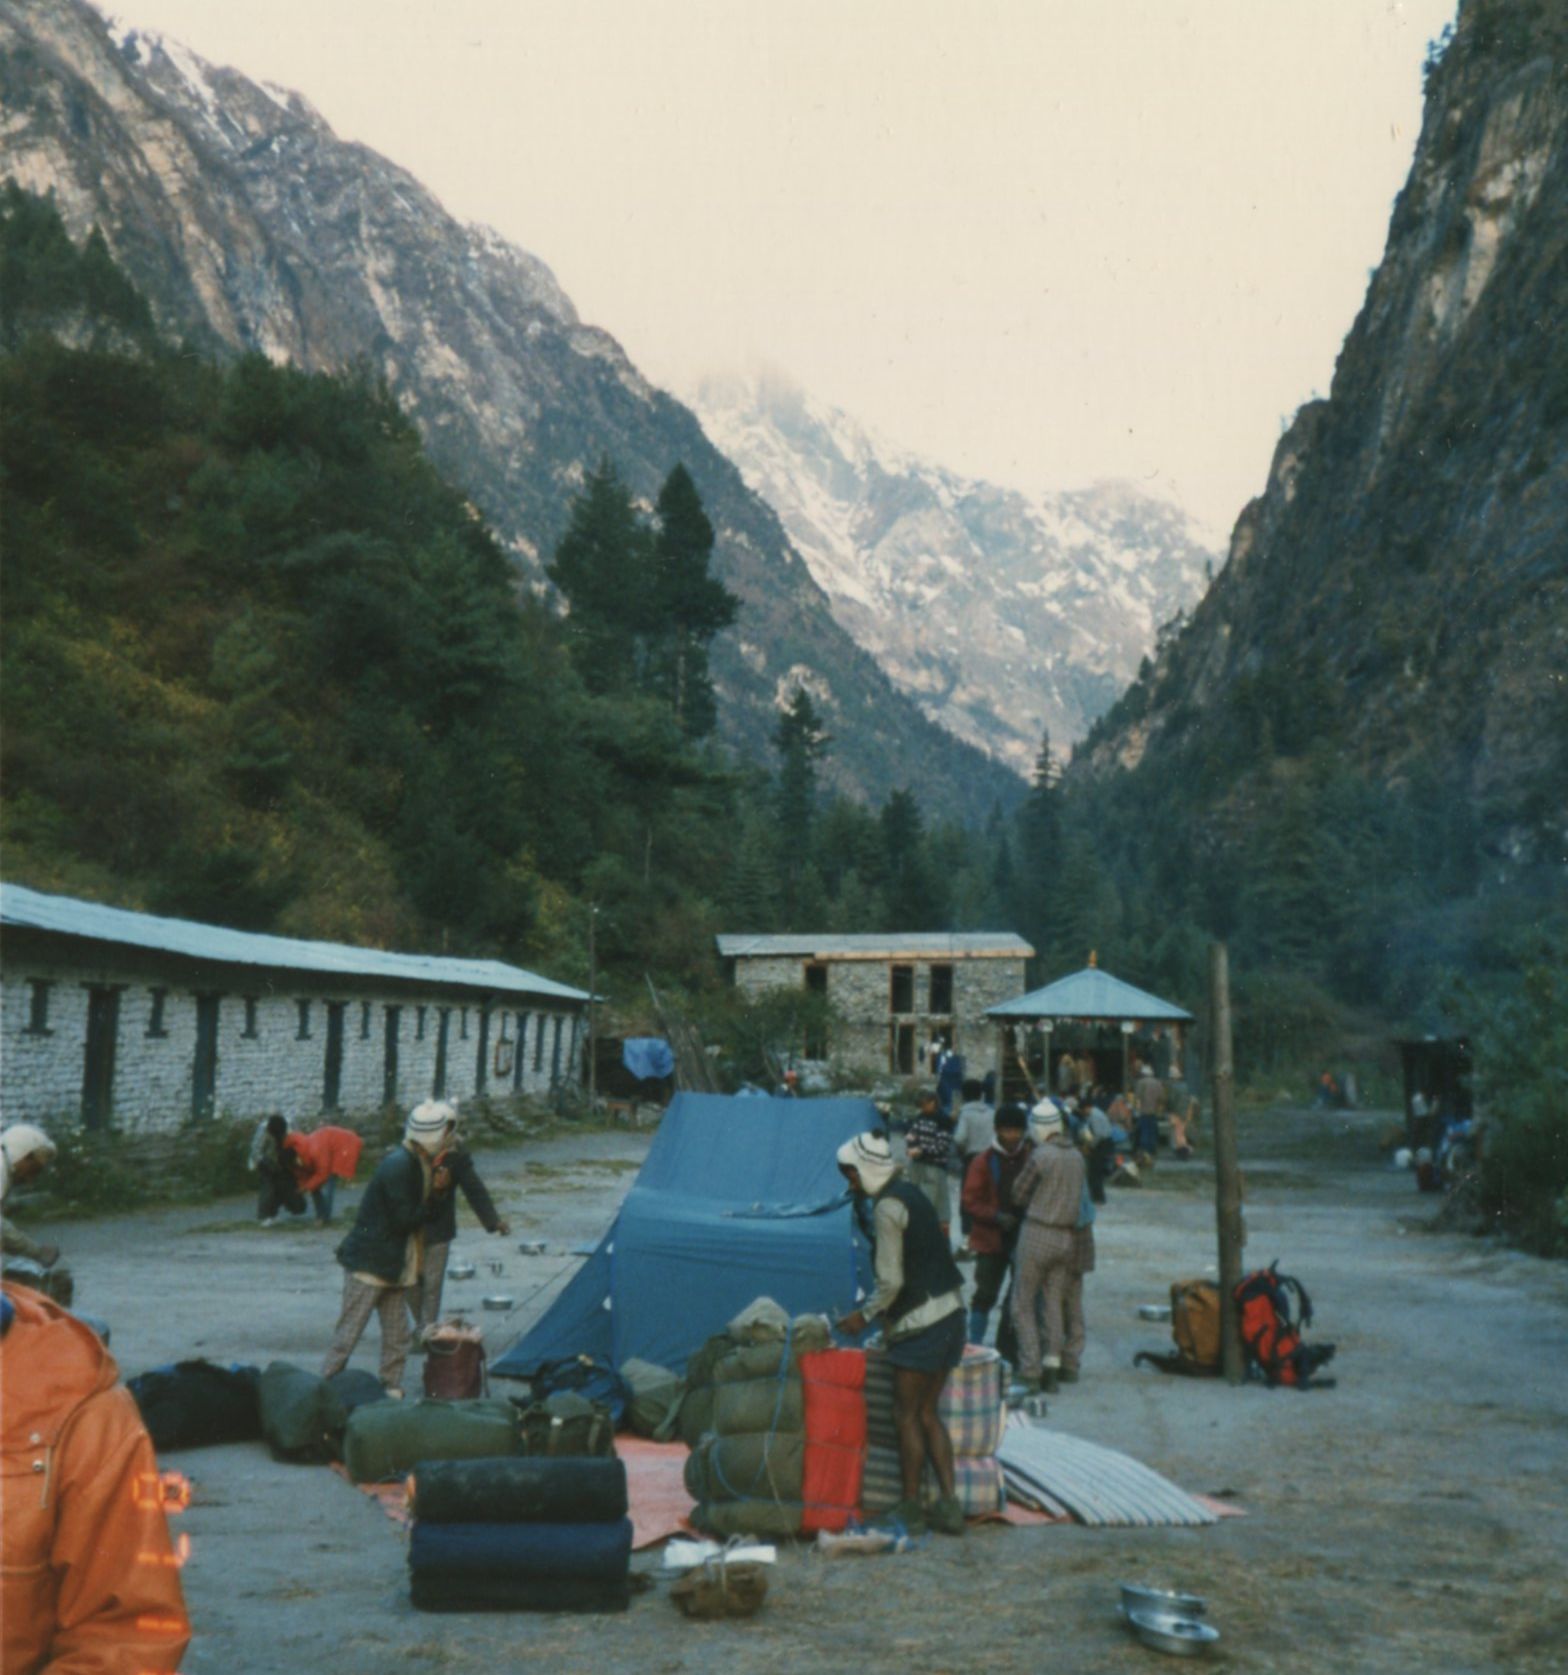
{"x": 1163, "y": 1602}
{"x": 1154, "y": 1311}
{"x": 498, "y": 1303}
{"x": 1183, "y": 1637}
{"x": 532, "y": 1247}
{"x": 460, "y": 1271}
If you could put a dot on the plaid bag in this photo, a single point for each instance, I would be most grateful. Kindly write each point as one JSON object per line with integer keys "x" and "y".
{"x": 971, "y": 1405}
{"x": 977, "y": 1478}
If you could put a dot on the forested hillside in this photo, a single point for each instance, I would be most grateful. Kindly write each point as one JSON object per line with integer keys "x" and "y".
{"x": 263, "y": 666}
{"x": 250, "y": 226}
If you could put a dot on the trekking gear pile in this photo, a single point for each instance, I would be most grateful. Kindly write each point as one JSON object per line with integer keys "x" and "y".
{"x": 1272, "y": 1311}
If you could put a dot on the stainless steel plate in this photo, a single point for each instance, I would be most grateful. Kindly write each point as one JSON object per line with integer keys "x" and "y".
{"x": 498, "y": 1302}
{"x": 1183, "y": 1637}
{"x": 1136, "y": 1596}
{"x": 460, "y": 1271}
{"x": 1154, "y": 1311}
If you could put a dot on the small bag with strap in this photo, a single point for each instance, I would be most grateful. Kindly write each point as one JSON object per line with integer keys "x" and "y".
{"x": 454, "y": 1361}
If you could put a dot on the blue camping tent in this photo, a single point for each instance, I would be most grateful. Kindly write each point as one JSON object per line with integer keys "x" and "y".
{"x": 738, "y": 1199}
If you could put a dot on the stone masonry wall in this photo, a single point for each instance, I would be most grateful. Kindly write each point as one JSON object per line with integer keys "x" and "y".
{"x": 860, "y": 992}
{"x": 263, "y": 1064}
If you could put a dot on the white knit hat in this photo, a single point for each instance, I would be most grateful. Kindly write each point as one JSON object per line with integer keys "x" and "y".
{"x": 870, "y": 1156}
{"x": 1046, "y": 1119}
{"x": 429, "y": 1124}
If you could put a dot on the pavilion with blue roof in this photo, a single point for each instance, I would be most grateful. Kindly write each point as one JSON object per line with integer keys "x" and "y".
{"x": 1090, "y": 1012}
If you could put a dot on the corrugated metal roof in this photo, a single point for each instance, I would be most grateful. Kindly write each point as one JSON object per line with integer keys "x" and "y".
{"x": 905, "y": 944}
{"x": 66, "y": 916}
{"x": 1091, "y": 993}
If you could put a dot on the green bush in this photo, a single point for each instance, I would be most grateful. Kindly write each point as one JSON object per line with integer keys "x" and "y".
{"x": 213, "y": 1158}
{"x": 94, "y": 1170}
{"x": 1522, "y": 1077}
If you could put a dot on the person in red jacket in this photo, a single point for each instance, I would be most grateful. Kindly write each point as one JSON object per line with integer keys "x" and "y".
{"x": 320, "y": 1160}
{"x": 993, "y": 1219}
{"x": 91, "y": 1582}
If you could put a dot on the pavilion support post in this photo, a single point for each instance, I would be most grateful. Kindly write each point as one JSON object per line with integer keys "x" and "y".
{"x": 1227, "y": 1171}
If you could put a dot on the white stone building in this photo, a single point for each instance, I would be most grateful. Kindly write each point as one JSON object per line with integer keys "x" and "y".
{"x": 890, "y": 995}
{"x": 145, "y": 1022}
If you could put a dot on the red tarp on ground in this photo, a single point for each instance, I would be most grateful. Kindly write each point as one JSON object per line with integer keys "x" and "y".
{"x": 834, "y": 1382}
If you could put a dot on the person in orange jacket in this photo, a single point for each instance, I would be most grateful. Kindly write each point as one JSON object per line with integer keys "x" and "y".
{"x": 319, "y": 1160}
{"x": 91, "y": 1584}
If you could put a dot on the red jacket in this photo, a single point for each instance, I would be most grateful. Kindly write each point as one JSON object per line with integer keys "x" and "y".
{"x": 325, "y": 1151}
{"x": 90, "y": 1582}
{"x": 988, "y": 1189}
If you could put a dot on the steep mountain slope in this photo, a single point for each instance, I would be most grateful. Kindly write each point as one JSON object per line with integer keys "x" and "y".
{"x": 1398, "y": 595}
{"x": 1001, "y": 613}
{"x": 249, "y": 225}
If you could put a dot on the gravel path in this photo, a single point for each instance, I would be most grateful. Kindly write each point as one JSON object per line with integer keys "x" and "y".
{"x": 1413, "y": 1518}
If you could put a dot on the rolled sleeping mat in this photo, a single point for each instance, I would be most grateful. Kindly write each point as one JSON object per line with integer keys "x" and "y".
{"x": 527, "y": 1490}
{"x": 488, "y": 1590}
{"x": 388, "y": 1439}
{"x": 759, "y": 1404}
{"x": 592, "y": 1552}
{"x": 749, "y": 1467}
{"x": 768, "y": 1519}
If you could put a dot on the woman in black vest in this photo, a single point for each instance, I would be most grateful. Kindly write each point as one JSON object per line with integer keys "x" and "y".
{"x": 919, "y": 1296}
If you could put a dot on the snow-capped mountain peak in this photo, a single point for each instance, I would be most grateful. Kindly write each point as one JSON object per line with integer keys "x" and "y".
{"x": 1002, "y": 613}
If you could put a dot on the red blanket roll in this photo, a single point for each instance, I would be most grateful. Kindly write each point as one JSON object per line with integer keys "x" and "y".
{"x": 834, "y": 1381}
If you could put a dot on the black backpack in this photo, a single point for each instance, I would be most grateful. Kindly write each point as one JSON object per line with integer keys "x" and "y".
{"x": 583, "y": 1376}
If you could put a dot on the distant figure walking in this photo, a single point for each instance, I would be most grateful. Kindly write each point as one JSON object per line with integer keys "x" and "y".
{"x": 1051, "y": 1191}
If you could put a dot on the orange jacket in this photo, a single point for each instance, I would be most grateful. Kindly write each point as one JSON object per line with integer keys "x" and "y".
{"x": 325, "y": 1151}
{"x": 90, "y": 1585}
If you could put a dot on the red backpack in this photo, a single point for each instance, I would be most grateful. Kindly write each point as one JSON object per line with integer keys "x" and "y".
{"x": 1272, "y": 1309}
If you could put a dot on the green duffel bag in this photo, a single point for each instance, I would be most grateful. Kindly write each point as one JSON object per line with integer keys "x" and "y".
{"x": 301, "y": 1416}
{"x": 387, "y": 1439}
{"x": 656, "y": 1398}
{"x": 696, "y": 1410}
{"x": 567, "y": 1426}
{"x": 759, "y": 1404}
{"x": 759, "y": 1360}
{"x": 747, "y": 1467}
{"x": 771, "y": 1520}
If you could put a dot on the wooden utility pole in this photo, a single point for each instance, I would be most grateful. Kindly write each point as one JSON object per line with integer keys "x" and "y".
{"x": 593, "y": 1024}
{"x": 1227, "y": 1173}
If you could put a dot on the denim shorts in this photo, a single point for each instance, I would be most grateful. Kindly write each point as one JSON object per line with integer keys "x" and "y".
{"x": 936, "y": 1348}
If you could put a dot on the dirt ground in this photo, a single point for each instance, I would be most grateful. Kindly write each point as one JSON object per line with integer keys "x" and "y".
{"x": 1413, "y": 1517}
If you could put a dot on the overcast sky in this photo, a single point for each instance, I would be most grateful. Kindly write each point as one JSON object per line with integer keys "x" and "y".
{"x": 1042, "y": 241}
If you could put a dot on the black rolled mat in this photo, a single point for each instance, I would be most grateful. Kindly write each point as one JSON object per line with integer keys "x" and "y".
{"x": 522, "y": 1490}
{"x": 479, "y": 1590}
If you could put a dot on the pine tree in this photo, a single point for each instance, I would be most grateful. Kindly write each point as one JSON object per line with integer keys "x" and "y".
{"x": 690, "y": 605}
{"x": 801, "y": 744}
{"x": 603, "y": 565}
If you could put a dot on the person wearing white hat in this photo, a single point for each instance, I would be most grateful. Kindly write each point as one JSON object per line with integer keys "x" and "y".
{"x": 920, "y": 1298}
{"x": 382, "y": 1252}
{"x": 1050, "y": 1190}
{"x": 25, "y": 1152}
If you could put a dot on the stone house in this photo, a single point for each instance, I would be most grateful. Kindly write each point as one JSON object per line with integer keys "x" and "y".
{"x": 147, "y": 1022}
{"x": 890, "y": 995}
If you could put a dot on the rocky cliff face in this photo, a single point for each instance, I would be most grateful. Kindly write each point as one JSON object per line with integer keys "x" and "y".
{"x": 1399, "y": 592}
{"x": 250, "y": 226}
{"x": 1000, "y": 613}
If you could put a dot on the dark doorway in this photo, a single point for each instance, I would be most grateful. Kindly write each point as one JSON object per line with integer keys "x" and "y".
{"x": 815, "y": 1045}
{"x": 204, "y": 1074}
{"x": 904, "y": 1049}
{"x": 332, "y": 1075}
{"x": 389, "y": 1056}
{"x": 901, "y": 989}
{"x": 482, "y": 1062}
{"x": 443, "y": 1030}
{"x": 517, "y": 1057}
{"x": 103, "y": 1035}
{"x": 555, "y": 1055}
{"x": 941, "y": 990}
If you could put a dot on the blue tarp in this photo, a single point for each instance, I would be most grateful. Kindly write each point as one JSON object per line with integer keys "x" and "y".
{"x": 648, "y": 1057}
{"x": 738, "y": 1199}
